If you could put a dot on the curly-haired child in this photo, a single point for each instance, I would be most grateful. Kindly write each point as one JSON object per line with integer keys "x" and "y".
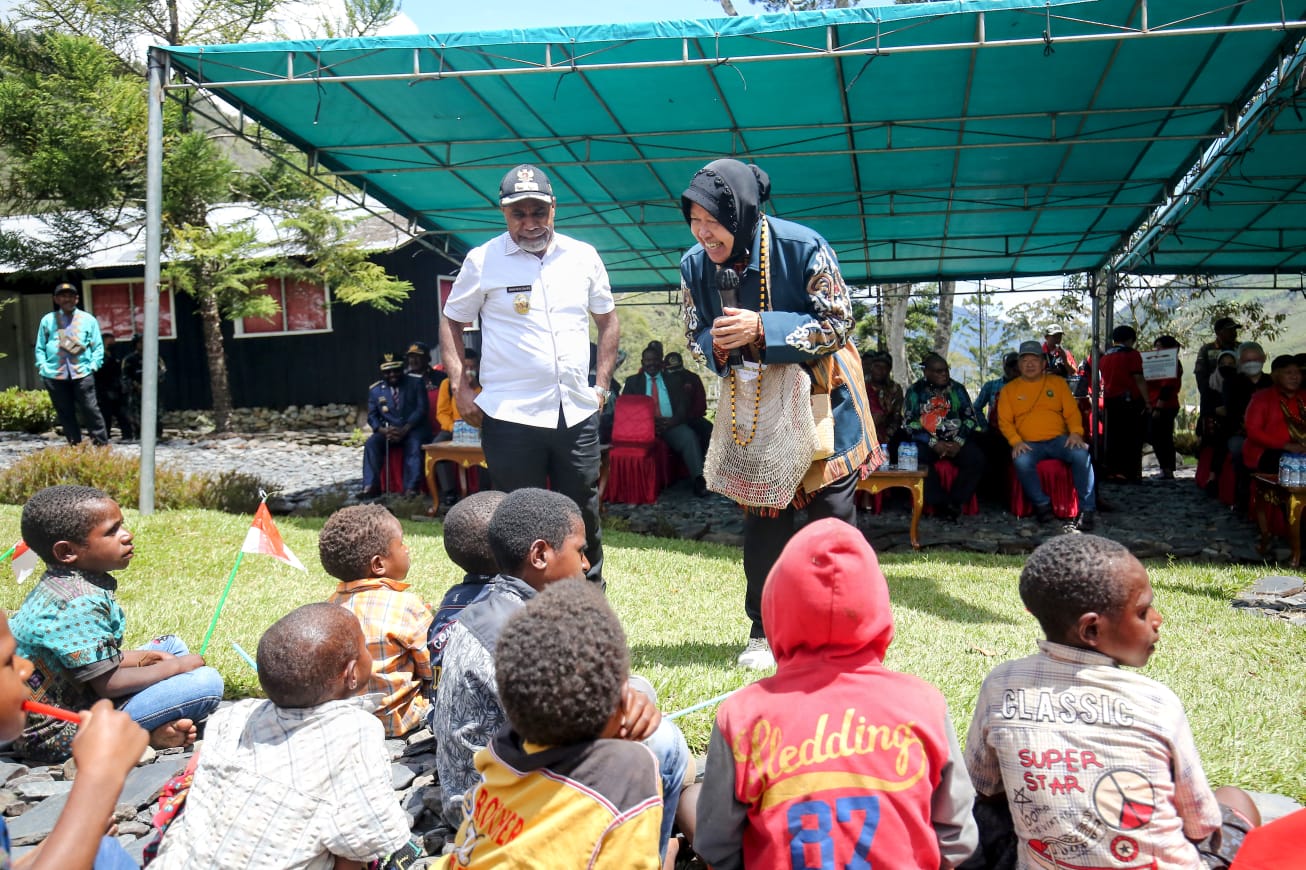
{"x": 302, "y": 779}
{"x": 71, "y": 629}
{"x": 1097, "y": 763}
{"x": 556, "y": 790}
{"x": 363, "y": 547}
{"x": 467, "y": 543}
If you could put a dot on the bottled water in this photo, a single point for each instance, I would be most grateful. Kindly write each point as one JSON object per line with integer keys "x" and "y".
{"x": 1298, "y": 470}
{"x": 907, "y": 456}
{"x": 1285, "y": 469}
{"x": 884, "y": 448}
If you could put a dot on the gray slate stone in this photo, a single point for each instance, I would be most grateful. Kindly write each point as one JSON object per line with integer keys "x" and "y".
{"x": 36, "y": 824}
{"x": 144, "y": 783}
{"x": 37, "y": 791}
{"x": 1278, "y": 585}
{"x": 11, "y": 770}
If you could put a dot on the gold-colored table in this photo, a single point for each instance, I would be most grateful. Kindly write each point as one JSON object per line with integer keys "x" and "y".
{"x": 913, "y": 481}
{"x": 467, "y": 456}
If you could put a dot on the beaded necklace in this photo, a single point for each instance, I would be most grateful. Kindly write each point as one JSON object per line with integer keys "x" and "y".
{"x": 763, "y": 254}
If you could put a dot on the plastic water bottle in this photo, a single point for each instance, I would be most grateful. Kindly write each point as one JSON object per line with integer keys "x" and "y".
{"x": 1298, "y": 466}
{"x": 884, "y": 449}
{"x": 907, "y": 456}
{"x": 1285, "y": 469}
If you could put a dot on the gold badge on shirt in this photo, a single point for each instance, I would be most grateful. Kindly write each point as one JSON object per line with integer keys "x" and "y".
{"x": 521, "y": 298}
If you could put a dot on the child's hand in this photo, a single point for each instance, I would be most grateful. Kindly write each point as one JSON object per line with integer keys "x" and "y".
{"x": 108, "y": 743}
{"x": 152, "y": 657}
{"x": 187, "y": 663}
{"x": 640, "y": 716}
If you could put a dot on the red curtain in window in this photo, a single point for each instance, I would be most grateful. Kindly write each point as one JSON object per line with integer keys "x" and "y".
{"x": 305, "y": 307}
{"x": 257, "y": 325}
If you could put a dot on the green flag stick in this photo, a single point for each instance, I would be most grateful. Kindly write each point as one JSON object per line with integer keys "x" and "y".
{"x": 8, "y": 552}
{"x": 213, "y": 623}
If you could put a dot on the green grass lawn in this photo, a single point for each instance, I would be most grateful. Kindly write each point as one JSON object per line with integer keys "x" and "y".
{"x": 1241, "y": 678}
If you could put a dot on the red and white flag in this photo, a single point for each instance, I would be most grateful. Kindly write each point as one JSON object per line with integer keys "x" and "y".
{"x": 25, "y": 561}
{"x": 264, "y": 538}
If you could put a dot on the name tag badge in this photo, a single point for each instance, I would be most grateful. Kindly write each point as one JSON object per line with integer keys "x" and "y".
{"x": 521, "y": 298}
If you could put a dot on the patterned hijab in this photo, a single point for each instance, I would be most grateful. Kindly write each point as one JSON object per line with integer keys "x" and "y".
{"x": 733, "y": 193}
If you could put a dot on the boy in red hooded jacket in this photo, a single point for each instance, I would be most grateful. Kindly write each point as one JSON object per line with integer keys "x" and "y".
{"x": 836, "y": 761}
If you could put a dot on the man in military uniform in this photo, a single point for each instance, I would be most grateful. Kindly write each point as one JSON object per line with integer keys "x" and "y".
{"x": 396, "y": 411}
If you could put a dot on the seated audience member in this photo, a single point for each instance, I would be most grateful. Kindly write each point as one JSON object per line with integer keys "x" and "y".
{"x": 70, "y": 628}
{"x": 538, "y": 538}
{"x": 826, "y": 612}
{"x": 1225, "y": 367}
{"x": 1060, "y": 361}
{"x": 133, "y": 378}
{"x": 363, "y": 547}
{"x": 1205, "y": 365}
{"x": 1125, "y": 400}
{"x": 1073, "y": 742}
{"x": 302, "y": 779}
{"x": 106, "y": 748}
{"x": 671, "y": 418}
{"x": 446, "y": 412}
{"x": 997, "y": 452}
{"x": 1164, "y": 396}
{"x": 467, "y": 543}
{"x": 396, "y": 411}
{"x": 885, "y": 397}
{"x": 1276, "y": 419}
{"x": 1040, "y": 420}
{"x": 938, "y": 416}
{"x": 418, "y": 365}
{"x": 1250, "y": 379}
{"x": 561, "y": 668}
{"x": 692, "y": 384}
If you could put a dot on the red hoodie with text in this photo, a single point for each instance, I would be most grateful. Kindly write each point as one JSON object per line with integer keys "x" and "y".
{"x": 836, "y": 761}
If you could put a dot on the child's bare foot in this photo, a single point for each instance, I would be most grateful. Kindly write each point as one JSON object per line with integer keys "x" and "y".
{"x": 179, "y": 733}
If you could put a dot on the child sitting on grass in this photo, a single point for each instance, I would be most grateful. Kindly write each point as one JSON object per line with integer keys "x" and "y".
{"x": 836, "y": 761}
{"x": 538, "y": 538}
{"x": 106, "y": 748}
{"x": 363, "y": 547}
{"x": 301, "y": 780}
{"x": 555, "y": 789}
{"x": 71, "y": 628}
{"x": 467, "y": 543}
{"x": 1097, "y": 763}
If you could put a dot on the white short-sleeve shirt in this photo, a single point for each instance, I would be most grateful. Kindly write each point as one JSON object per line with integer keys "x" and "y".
{"x": 535, "y": 316}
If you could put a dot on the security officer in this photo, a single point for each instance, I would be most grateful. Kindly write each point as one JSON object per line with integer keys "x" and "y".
{"x": 396, "y": 411}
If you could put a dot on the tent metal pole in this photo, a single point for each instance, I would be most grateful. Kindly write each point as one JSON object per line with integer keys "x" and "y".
{"x": 1094, "y": 388}
{"x": 158, "y": 64}
{"x": 315, "y": 79}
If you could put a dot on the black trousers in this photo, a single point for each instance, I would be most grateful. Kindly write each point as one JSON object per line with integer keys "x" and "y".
{"x": 1161, "y": 437}
{"x": 970, "y": 468}
{"x": 68, "y": 396}
{"x": 1124, "y": 438}
{"x": 765, "y": 538}
{"x": 519, "y": 456}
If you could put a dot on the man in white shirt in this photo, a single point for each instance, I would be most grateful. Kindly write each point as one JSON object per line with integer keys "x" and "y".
{"x": 534, "y": 291}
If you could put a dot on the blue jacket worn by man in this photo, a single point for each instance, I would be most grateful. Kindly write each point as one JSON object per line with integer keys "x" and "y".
{"x": 396, "y": 411}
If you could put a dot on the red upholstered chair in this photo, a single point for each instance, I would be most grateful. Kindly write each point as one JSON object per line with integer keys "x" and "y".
{"x": 947, "y": 471}
{"x": 1057, "y": 482}
{"x": 636, "y": 464}
{"x": 1204, "y": 466}
{"x": 393, "y": 480}
{"x": 1227, "y": 478}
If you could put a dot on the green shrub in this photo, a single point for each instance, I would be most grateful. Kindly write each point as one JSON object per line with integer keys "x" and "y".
{"x": 26, "y": 411}
{"x": 357, "y": 438}
{"x": 119, "y": 475}
{"x": 1187, "y": 443}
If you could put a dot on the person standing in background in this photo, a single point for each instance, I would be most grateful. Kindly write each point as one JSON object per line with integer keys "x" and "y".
{"x": 69, "y": 350}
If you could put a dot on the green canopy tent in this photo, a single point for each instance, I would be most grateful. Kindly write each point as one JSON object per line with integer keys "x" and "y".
{"x": 964, "y": 139}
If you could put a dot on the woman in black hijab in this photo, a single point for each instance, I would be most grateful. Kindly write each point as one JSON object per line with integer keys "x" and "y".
{"x": 800, "y": 313}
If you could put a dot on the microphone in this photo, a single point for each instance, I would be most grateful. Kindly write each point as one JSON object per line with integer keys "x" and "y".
{"x": 727, "y": 286}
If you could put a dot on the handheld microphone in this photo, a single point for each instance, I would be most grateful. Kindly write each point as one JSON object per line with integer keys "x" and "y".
{"x": 727, "y": 286}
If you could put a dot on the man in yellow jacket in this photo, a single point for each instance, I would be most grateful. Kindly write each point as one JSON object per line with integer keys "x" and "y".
{"x": 1040, "y": 420}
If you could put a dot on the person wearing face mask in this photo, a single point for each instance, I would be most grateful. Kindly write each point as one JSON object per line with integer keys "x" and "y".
{"x": 763, "y": 297}
{"x": 1238, "y": 391}
{"x": 1276, "y": 418}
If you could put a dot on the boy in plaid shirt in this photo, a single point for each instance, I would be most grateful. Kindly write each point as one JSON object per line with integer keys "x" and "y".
{"x": 363, "y": 547}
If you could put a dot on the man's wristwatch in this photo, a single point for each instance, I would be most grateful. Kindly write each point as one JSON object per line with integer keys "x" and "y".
{"x": 605, "y": 395}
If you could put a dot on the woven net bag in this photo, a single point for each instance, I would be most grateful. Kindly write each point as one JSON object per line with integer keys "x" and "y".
{"x": 762, "y": 466}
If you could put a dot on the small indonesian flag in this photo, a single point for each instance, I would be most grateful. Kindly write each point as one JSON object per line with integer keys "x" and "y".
{"x": 25, "y": 561}
{"x": 264, "y": 538}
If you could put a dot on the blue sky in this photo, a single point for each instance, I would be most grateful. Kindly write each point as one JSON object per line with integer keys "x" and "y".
{"x": 451, "y": 16}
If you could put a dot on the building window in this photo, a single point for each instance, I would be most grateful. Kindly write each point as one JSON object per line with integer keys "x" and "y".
{"x": 119, "y": 306}
{"x": 304, "y": 309}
